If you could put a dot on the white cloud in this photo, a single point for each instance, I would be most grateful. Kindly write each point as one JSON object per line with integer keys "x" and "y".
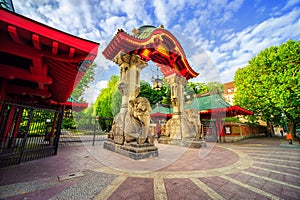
{"x": 214, "y": 51}
{"x": 238, "y": 48}
{"x": 290, "y": 4}
{"x": 203, "y": 64}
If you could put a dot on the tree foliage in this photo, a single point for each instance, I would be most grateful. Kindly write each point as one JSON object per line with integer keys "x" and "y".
{"x": 108, "y": 99}
{"x": 211, "y": 86}
{"x": 269, "y": 86}
{"x": 83, "y": 84}
{"x": 193, "y": 88}
{"x": 85, "y": 120}
{"x": 154, "y": 96}
{"x": 108, "y": 103}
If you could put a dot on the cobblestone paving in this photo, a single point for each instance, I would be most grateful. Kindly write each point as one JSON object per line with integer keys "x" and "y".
{"x": 261, "y": 168}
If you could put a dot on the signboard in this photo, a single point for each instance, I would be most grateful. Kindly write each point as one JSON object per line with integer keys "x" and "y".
{"x": 227, "y": 130}
{"x": 7, "y": 4}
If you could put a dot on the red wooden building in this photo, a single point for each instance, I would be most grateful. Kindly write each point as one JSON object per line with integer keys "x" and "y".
{"x": 212, "y": 109}
{"x": 40, "y": 67}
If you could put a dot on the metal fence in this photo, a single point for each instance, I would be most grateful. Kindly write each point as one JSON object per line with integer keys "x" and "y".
{"x": 84, "y": 129}
{"x": 28, "y": 132}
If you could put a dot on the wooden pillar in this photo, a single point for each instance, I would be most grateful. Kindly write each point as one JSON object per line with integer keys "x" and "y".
{"x": 2, "y": 94}
{"x": 51, "y": 139}
{"x": 9, "y": 122}
{"x": 18, "y": 121}
{"x": 219, "y": 128}
{"x": 53, "y": 124}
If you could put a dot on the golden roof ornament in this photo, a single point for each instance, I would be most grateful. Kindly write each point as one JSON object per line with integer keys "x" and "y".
{"x": 135, "y": 31}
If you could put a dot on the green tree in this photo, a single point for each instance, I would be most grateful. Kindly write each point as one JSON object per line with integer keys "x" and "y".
{"x": 154, "y": 96}
{"x": 107, "y": 103}
{"x": 166, "y": 99}
{"x": 211, "y": 86}
{"x": 116, "y": 101}
{"x": 83, "y": 84}
{"x": 269, "y": 86}
{"x": 193, "y": 88}
{"x": 85, "y": 120}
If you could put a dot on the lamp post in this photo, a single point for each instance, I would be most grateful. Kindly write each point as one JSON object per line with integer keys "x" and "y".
{"x": 157, "y": 82}
{"x": 284, "y": 121}
{"x": 95, "y": 128}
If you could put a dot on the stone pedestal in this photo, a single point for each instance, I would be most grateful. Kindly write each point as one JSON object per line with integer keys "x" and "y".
{"x": 132, "y": 150}
{"x": 191, "y": 143}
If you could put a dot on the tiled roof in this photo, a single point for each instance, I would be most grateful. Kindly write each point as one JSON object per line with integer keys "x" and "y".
{"x": 159, "y": 108}
{"x": 208, "y": 102}
{"x": 144, "y": 31}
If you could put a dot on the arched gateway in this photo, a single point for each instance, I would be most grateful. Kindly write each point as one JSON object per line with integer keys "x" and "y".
{"x": 131, "y": 53}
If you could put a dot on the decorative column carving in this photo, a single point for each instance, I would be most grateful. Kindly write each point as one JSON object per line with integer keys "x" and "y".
{"x": 123, "y": 61}
{"x": 130, "y": 68}
{"x": 174, "y": 125}
{"x": 177, "y": 84}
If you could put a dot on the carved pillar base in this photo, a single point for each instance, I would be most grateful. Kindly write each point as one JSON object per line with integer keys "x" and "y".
{"x": 133, "y": 150}
{"x": 173, "y": 128}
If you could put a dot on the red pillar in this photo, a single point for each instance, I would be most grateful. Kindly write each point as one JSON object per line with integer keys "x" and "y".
{"x": 17, "y": 125}
{"x": 53, "y": 125}
{"x": 219, "y": 128}
{"x": 2, "y": 93}
{"x": 9, "y": 122}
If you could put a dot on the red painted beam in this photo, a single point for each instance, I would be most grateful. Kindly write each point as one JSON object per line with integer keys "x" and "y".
{"x": 9, "y": 72}
{"x": 71, "y": 52}
{"x": 54, "y": 47}
{"x": 36, "y": 41}
{"x": 21, "y": 90}
{"x": 12, "y": 30}
{"x": 10, "y": 47}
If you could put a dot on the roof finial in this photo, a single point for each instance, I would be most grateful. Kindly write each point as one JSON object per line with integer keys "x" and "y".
{"x": 161, "y": 26}
{"x": 135, "y": 31}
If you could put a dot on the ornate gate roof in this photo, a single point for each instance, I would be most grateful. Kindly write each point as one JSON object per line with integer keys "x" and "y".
{"x": 152, "y": 43}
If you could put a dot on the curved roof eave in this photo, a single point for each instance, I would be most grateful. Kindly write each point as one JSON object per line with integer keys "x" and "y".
{"x": 160, "y": 46}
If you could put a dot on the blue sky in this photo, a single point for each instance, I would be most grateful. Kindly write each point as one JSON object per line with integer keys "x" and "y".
{"x": 218, "y": 36}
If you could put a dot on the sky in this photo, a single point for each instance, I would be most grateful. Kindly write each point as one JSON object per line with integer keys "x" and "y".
{"x": 218, "y": 36}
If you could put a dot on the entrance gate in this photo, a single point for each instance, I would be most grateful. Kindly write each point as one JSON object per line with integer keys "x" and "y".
{"x": 84, "y": 130}
{"x": 28, "y": 132}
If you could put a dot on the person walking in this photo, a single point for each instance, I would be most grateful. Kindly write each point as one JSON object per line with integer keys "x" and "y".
{"x": 289, "y": 137}
{"x": 281, "y": 132}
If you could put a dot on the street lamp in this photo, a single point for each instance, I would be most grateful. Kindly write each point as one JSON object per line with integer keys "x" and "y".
{"x": 157, "y": 82}
{"x": 285, "y": 128}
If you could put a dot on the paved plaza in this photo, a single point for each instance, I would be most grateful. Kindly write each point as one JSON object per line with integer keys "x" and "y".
{"x": 259, "y": 168}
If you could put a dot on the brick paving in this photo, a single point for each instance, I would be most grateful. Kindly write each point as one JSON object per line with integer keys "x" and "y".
{"x": 259, "y": 168}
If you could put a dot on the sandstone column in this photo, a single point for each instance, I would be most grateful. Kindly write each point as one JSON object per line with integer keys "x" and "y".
{"x": 174, "y": 125}
{"x": 130, "y": 68}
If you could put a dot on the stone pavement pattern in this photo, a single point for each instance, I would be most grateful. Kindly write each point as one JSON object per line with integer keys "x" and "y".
{"x": 261, "y": 168}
